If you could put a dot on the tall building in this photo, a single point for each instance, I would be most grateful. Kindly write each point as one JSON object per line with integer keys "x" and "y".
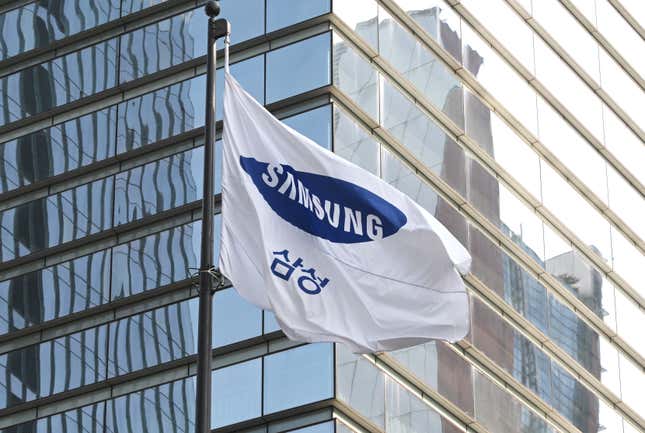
{"x": 517, "y": 123}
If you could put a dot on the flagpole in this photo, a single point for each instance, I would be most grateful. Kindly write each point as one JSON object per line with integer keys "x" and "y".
{"x": 216, "y": 30}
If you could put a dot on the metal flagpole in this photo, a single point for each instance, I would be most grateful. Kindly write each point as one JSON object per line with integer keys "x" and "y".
{"x": 216, "y": 29}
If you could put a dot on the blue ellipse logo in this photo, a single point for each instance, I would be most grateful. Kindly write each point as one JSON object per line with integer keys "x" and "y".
{"x": 323, "y": 206}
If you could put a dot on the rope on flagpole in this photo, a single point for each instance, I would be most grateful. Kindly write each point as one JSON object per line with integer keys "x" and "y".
{"x": 227, "y": 43}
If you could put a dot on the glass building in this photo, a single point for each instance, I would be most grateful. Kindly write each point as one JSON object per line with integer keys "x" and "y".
{"x": 519, "y": 124}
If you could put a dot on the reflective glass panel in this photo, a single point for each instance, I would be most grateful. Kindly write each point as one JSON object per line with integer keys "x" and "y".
{"x": 161, "y": 114}
{"x": 628, "y": 313}
{"x": 507, "y": 27}
{"x": 624, "y": 144}
{"x": 501, "y": 142}
{"x": 270, "y": 322}
{"x": 38, "y": 24}
{"x": 425, "y": 139}
{"x": 430, "y": 76}
{"x": 236, "y": 393}
{"x": 325, "y": 427}
{"x": 65, "y": 79}
{"x": 406, "y": 413}
{"x": 354, "y": 143}
{"x": 283, "y": 13}
{"x": 568, "y": 88}
{"x": 61, "y": 148}
{"x": 154, "y": 337}
{"x": 570, "y": 34}
{"x": 53, "y": 292}
{"x": 165, "y": 408}
{"x": 575, "y": 212}
{"x": 88, "y": 419}
{"x": 155, "y": 260}
{"x": 249, "y": 73}
{"x": 234, "y": 319}
{"x": 439, "y": 20}
{"x": 54, "y": 220}
{"x": 360, "y": 385}
{"x": 298, "y": 67}
{"x": 314, "y": 124}
{"x": 440, "y": 368}
{"x": 246, "y": 18}
{"x": 298, "y": 376}
{"x": 572, "y": 149}
{"x": 162, "y": 45}
{"x": 53, "y": 366}
{"x": 158, "y": 186}
{"x": 400, "y": 176}
{"x": 499, "y": 78}
{"x": 131, "y": 6}
{"x": 361, "y": 17}
{"x": 621, "y": 35}
{"x": 355, "y": 77}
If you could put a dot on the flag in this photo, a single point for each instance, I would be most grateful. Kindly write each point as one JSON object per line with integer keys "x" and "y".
{"x": 335, "y": 252}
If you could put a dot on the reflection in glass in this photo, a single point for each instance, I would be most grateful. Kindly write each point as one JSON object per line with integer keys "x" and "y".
{"x": 236, "y": 393}
{"x": 314, "y": 124}
{"x": 234, "y": 319}
{"x": 270, "y": 322}
{"x": 51, "y": 84}
{"x": 61, "y": 148}
{"x": 158, "y": 186}
{"x": 355, "y": 76}
{"x": 360, "y": 385}
{"x": 165, "y": 408}
{"x": 156, "y": 260}
{"x": 84, "y": 419}
{"x": 54, "y": 220}
{"x": 246, "y": 17}
{"x": 298, "y": 376}
{"x": 400, "y": 176}
{"x": 298, "y": 67}
{"x": 132, "y": 6}
{"x": 427, "y": 141}
{"x": 53, "y": 292}
{"x": 161, "y": 114}
{"x": 406, "y": 413}
{"x": 39, "y": 24}
{"x": 430, "y": 76}
{"x": 283, "y": 13}
{"x": 354, "y": 143}
{"x": 249, "y": 73}
{"x": 154, "y": 337}
{"x": 533, "y": 368}
{"x": 567, "y": 205}
{"x": 53, "y": 366}
{"x": 499, "y": 78}
{"x": 361, "y": 17}
{"x": 324, "y": 427}
{"x": 439, "y": 20}
{"x": 162, "y": 45}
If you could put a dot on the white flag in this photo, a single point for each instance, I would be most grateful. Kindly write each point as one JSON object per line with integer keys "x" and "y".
{"x": 335, "y": 252}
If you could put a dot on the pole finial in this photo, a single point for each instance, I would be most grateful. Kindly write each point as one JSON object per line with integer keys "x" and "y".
{"x": 212, "y": 8}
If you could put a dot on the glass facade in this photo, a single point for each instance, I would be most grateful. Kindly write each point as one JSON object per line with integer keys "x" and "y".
{"x": 518, "y": 124}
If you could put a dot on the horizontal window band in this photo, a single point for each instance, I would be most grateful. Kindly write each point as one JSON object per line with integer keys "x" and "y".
{"x": 163, "y": 78}
{"x": 225, "y": 356}
{"x": 100, "y": 33}
{"x": 124, "y": 161}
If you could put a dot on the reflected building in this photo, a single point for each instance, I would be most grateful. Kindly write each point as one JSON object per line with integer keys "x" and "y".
{"x": 72, "y": 287}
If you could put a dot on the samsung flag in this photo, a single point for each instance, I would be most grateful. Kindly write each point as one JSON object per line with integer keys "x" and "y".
{"x": 336, "y": 253}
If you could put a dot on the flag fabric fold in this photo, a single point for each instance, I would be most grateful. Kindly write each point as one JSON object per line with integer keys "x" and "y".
{"x": 335, "y": 252}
